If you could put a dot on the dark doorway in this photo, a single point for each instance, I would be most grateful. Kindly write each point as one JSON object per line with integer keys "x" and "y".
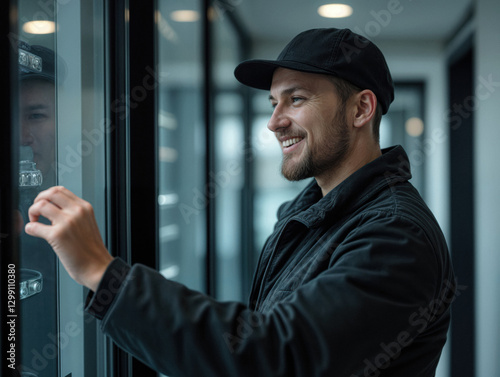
{"x": 461, "y": 128}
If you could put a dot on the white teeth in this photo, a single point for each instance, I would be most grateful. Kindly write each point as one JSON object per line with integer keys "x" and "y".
{"x": 289, "y": 142}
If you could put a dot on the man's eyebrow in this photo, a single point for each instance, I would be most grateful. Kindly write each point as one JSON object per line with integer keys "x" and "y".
{"x": 38, "y": 106}
{"x": 287, "y": 91}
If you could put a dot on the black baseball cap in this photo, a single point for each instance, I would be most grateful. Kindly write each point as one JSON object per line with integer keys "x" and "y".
{"x": 36, "y": 62}
{"x": 336, "y": 52}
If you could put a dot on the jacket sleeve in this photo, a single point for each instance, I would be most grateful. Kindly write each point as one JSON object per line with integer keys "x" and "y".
{"x": 381, "y": 305}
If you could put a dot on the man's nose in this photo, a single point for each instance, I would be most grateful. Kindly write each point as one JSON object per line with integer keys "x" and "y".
{"x": 278, "y": 120}
{"x": 26, "y": 136}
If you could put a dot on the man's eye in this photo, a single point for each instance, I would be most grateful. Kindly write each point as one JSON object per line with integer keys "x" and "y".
{"x": 296, "y": 99}
{"x": 36, "y": 116}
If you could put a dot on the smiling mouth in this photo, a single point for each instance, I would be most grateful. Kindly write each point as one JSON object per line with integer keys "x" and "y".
{"x": 290, "y": 142}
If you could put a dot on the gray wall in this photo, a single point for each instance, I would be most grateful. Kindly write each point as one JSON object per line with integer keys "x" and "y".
{"x": 487, "y": 188}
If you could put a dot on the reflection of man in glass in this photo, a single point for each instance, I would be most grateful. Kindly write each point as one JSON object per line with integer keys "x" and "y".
{"x": 37, "y": 107}
{"x": 38, "y": 284}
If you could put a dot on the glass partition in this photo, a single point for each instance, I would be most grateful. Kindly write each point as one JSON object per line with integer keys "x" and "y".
{"x": 404, "y": 125}
{"x": 38, "y": 290}
{"x": 185, "y": 186}
{"x": 181, "y": 152}
{"x": 62, "y": 142}
{"x": 228, "y": 176}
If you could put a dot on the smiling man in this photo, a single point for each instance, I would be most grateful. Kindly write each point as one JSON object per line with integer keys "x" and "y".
{"x": 311, "y": 123}
{"x": 355, "y": 280}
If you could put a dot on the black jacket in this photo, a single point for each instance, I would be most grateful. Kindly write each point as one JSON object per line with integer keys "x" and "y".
{"x": 358, "y": 283}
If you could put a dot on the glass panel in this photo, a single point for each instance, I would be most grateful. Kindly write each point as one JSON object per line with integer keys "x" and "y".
{"x": 404, "y": 125}
{"x": 61, "y": 142}
{"x": 228, "y": 177}
{"x": 182, "y": 201}
{"x": 38, "y": 272}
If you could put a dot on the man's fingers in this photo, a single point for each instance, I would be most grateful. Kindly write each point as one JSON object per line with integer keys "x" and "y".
{"x": 43, "y": 208}
{"x": 36, "y": 229}
{"x": 73, "y": 234}
{"x": 58, "y": 195}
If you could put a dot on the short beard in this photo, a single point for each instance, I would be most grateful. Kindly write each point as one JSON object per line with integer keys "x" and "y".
{"x": 333, "y": 155}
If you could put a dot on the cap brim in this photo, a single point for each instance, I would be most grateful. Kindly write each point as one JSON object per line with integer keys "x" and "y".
{"x": 259, "y": 73}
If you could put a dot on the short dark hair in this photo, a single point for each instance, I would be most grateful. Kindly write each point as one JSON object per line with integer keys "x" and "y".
{"x": 346, "y": 90}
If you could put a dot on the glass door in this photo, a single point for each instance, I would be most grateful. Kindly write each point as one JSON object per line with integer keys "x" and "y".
{"x": 182, "y": 198}
{"x": 38, "y": 266}
{"x": 202, "y": 158}
{"x": 230, "y": 172}
{"x": 61, "y": 132}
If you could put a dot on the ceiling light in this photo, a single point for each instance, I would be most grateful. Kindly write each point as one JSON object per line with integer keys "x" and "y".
{"x": 335, "y": 10}
{"x": 185, "y": 15}
{"x": 39, "y": 27}
{"x": 414, "y": 127}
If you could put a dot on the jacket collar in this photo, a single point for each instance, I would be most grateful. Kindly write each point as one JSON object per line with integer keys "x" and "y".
{"x": 310, "y": 208}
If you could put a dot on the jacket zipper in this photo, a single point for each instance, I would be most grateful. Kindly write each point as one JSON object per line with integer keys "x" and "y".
{"x": 271, "y": 258}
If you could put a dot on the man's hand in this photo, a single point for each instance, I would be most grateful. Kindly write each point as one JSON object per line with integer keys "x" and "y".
{"x": 73, "y": 234}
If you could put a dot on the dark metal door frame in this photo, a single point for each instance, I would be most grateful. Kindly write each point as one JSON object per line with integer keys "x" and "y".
{"x": 461, "y": 130}
{"x": 131, "y": 146}
{"x": 9, "y": 256}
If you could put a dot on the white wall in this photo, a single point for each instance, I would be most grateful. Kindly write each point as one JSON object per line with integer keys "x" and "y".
{"x": 487, "y": 188}
{"x": 427, "y": 62}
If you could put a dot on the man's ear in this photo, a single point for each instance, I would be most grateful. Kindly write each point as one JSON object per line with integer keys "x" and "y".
{"x": 366, "y": 104}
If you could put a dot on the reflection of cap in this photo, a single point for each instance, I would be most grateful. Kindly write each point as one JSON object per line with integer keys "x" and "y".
{"x": 36, "y": 62}
{"x": 336, "y": 52}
